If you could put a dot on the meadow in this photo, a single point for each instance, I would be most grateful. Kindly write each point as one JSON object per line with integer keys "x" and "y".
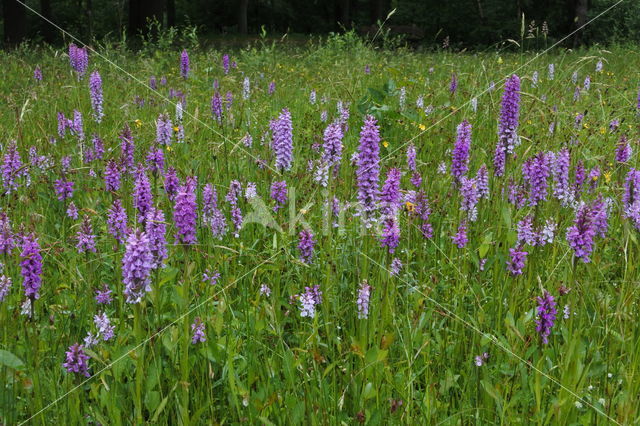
{"x": 329, "y": 233}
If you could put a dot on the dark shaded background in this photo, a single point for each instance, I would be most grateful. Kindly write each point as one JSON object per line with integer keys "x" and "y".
{"x": 420, "y": 23}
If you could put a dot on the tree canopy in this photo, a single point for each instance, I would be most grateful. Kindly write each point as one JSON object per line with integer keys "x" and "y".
{"x": 458, "y": 23}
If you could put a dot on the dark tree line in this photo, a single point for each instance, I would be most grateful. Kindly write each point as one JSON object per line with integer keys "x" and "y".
{"x": 427, "y": 22}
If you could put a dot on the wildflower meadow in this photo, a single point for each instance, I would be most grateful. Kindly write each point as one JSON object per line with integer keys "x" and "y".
{"x": 327, "y": 233}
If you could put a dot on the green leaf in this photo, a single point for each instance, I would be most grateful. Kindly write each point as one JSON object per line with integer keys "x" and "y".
{"x": 376, "y": 95}
{"x": 10, "y": 360}
{"x": 493, "y": 392}
{"x": 369, "y": 391}
{"x": 506, "y": 216}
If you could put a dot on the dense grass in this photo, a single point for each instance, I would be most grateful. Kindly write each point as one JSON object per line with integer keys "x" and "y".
{"x": 412, "y": 360}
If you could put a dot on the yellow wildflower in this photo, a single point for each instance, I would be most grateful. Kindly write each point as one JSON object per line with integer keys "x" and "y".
{"x": 385, "y": 144}
{"x": 138, "y": 123}
{"x": 422, "y": 127}
{"x": 607, "y": 176}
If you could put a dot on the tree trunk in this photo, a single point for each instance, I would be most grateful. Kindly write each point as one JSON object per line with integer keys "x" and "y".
{"x": 15, "y": 22}
{"x": 46, "y": 29}
{"x": 134, "y": 17}
{"x": 581, "y": 10}
{"x": 345, "y": 5}
{"x": 89, "y": 15}
{"x": 143, "y": 11}
{"x": 243, "y": 5}
{"x": 377, "y": 10}
{"x": 171, "y": 13}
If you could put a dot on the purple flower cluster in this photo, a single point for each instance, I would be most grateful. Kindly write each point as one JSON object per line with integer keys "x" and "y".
{"x": 423, "y": 211}
{"x": 7, "y": 240}
{"x": 95, "y": 87}
{"x": 127, "y": 148}
{"x": 546, "y": 316}
{"x": 156, "y": 230}
{"x": 103, "y": 295}
{"x": 117, "y": 221}
{"x": 76, "y": 360}
{"x": 470, "y": 197}
{"x": 536, "y": 171}
{"x": 460, "y": 153}
{"x": 78, "y": 59}
{"x": 210, "y": 277}
{"x": 309, "y": 300}
{"x": 184, "y": 64}
{"x": 235, "y": 189}
{"x": 390, "y": 233}
{"x": 362, "y": 302}
{"x": 282, "y": 144}
{"x": 185, "y": 212}
{"x": 211, "y": 214}
{"x": 517, "y": 259}
{"x": 508, "y": 126}
{"x": 137, "y": 264}
{"x": 216, "y": 107}
{"x": 96, "y": 152}
{"x": 581, "y": 234}
{"x": 411, "y": 157}
{"x": 112, "y": 176}
{"x": 142, "y": 196}
{"x": 103, "y": 324}
{"x": 171, "y": 183}
{"x": 5, "y": 286}
{"x": 332, "y": 146}
{"x": 86, "y": 238}
{"x": 368, "y": 172}
{"x": 482, "y": 182}
{"x": 31, "y": 266}
{"x": 225, "y": 63}
{"x": 631, "y": 197}
{"x": 395, "y": 267}
{"x": 560, "y": 172}
{"x": 580, "y": 178}
{"x": 164, "y": 130}
{"x": 198, "y": 329}
{"x": 72, "y": 211}
{"x": 279, "y": 194}
{"x": 306, "y": 243}
{"x": 76, "y": 126}
{"x": 460, "y": 238}
{"x": 63, "y": 189}
{"x": 155, "y": 160}
{"x": 390, "y": 197}
{"x": 11, "y": 168}
{"x": 623, "y": 150}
